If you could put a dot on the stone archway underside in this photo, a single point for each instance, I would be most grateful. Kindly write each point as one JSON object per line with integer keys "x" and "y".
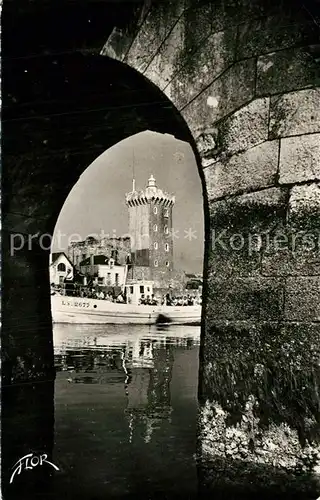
{"x": 245, "y": 77}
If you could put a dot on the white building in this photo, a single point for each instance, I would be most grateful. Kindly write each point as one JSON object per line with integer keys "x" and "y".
{"x": 60, "y": 268}
{"x": 104, "y": 271}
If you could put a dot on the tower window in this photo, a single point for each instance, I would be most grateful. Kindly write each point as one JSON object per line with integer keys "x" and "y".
{"x": 155, "y": 228}
{"x": 61, "y": 267}
{"x": 155, "y": 210}
{"x": 166, "y": 212}
{"x": 166, "y": 247}
{"x": 166, "y": 230}
{"x": 155, "y": 246}
{"x": 155, "y": 263}
{"x": 167, "y": 263}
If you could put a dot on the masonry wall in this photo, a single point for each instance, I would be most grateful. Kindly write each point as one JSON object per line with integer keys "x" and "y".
{"x": 161, "y": 237}
{"x": 81, "y": 250}
{"x": 245, "y": 76}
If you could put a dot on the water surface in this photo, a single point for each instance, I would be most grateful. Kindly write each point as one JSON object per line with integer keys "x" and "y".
{"x": 125, "y": 411}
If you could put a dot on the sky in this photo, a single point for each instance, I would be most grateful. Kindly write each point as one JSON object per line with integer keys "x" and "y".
{"x": 96, "y": 204}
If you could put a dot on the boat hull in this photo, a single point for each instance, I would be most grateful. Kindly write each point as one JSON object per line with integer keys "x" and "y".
{"x": 92, "y": 311}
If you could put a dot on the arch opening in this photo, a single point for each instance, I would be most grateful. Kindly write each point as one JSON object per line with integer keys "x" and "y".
{"x": 106, "y": 229}
{"x": 83, "y": 113}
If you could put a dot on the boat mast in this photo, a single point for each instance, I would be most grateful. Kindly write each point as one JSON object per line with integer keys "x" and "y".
{"x": 133, "y": 190}
{"x": 133, "y": 179}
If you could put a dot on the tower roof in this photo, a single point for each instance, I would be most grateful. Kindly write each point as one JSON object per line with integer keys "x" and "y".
{"x": 151, "y": 181}
{"x": 150, "y": 193}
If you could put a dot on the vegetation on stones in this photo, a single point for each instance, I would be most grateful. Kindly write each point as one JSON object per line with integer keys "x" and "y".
{"x": 276, "y": 365}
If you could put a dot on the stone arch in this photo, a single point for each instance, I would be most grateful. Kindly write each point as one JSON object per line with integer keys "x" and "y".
{"x": 69, "y": 116}
{"x": 245, "y": 77}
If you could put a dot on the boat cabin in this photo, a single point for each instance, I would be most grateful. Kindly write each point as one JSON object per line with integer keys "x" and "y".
{"x": 138, "y": 290}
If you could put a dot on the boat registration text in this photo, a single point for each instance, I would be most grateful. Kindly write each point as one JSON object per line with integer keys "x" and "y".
{"x": 75, "y": 304}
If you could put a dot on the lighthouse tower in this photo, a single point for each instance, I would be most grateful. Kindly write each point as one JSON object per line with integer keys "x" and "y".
{"x": 150, "y": 229}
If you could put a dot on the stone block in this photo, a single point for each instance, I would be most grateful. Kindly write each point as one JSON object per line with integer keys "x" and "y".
{"x": 304, "y": 207}
{"x": 299, "y": 159}
{"x": 198, "y": 25}
{"x": 22, "y": 224}
{"x": 295, "y": 113}
{"x": 302, "y": 299}
{"x": 256, "y": 213}
{"x": 228, "y": 263}
{"x": 228, "y": 92}
{"x": 197, "y": 69}
{"x": 234, "y": 12}
{"x": 246, "y": 128}
{"x": 117, "y": 45}
{"x": 253, "y": 169}
{"x": 287, "y": 263}
{"x": 250, "y": 298}
{"x": 163, "y": 64}
{"x": 275, "y": 32}
{"x": 305, "y": 343}
{"x": 159, "y": 21}
{"x": 206, "y": 144}
{"x": 286, "y": 70}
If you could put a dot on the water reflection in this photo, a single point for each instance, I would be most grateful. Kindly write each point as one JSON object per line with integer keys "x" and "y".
{"x": 145, "y": 381}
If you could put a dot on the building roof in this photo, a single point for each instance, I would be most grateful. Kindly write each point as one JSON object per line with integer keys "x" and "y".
{"x": 150, "y": 193}
{"x": 194, "y": 277}
{"x": 56, "y": 255}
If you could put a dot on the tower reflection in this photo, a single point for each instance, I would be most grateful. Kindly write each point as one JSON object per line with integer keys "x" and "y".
{"x": 145, "y": 361}
{"x": 125, "y": 394}
{"x": 148, "y": 388}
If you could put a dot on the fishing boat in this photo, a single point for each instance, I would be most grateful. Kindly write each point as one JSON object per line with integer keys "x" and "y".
{"x": 94, "y": 311}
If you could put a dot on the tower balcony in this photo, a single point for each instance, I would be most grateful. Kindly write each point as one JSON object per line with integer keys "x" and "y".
{"x": 151, "y": 194}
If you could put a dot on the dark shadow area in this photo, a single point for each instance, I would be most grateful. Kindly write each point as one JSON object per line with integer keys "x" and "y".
{"x": 244, "y": 480}
{"x": 27, "y": 420}
{"x": 27, "y": 392}
{"x": 35, "y": 27}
